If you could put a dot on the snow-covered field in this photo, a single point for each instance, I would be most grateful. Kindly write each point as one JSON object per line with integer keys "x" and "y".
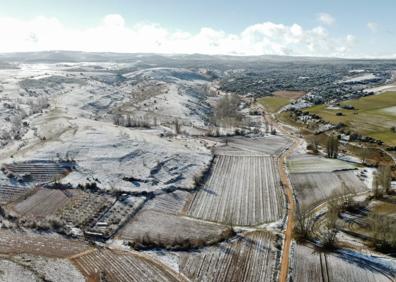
{"x": 308, "y": 164}
{"x": 74, "y": 119}
{"x": 390, "y": 110}
{"x": 144, "y": 134}
{"x": 359, "y": 78}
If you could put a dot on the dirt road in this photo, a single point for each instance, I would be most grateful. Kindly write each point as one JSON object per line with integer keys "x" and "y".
{"x": 284, "y": 177}
{"x": 284, "y": 267}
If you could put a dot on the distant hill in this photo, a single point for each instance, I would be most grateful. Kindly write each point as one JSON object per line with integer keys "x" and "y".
{"x": 77, "y": 56}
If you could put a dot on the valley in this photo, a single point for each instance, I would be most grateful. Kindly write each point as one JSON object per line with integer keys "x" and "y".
{"x": 160, "y": 169}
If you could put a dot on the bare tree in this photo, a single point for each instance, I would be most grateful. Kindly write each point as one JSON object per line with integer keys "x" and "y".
{"x": 226, "y": 111}
{"x": 266, "y": 126}
{"x": 364, "y": 154}
{"x": 303, "y": 226}
{"x": 177, "y": 126}
{"x": 383, "y": 180}
{"x": 383, "y": 230}
{"x": 313, "y": 144}
{"x": 328, "y": 237}
{"x": 332, "y": 146}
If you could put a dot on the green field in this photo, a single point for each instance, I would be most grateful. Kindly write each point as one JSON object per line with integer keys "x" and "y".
{"x": 373, "y": 116}
{"x": 273, "y": 103}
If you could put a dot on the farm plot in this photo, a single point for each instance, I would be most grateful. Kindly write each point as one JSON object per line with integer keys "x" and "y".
{"x": 106, "y": 265}
{"x": 241, "y": 190}
{"x": 311, "y": 189}
{"x": 85, "y": 208}
{"x": 45, "y": 268}
{"x": 170, "y": 203}
{"x": 44, "y": 202}
{"x": 9, "y": 193}
{"x": 311, "y": 265}
{"x": 309, "y": 163}
{"x": 251, "y": 257}
{"x": 273, "y": 104}
{"x": 45, "y": 244}
{"x": 367, "y": 117}
{"x": 289, "y": 94}
{"x": 11, "y": 271}
{"x": 364, "y": 222}
{"x": 117, "y": 215}
{"x": 269, "y": 145}
{"x": 37, "y": 171}
{"x": 158, "y": 228}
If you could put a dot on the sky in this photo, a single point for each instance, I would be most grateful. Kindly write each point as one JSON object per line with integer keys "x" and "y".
{"x": 329, "y": 28}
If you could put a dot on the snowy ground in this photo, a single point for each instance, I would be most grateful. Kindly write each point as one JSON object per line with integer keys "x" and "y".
{"x": 359, "y": 78}
{"x": 77, "y": 121}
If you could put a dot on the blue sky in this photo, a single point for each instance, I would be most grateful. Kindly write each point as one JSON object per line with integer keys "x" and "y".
{"x": 319, "y": 28}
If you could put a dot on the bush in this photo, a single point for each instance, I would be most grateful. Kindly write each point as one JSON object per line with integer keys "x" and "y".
{"x": 43, "y": 225}
{"x": 178, "y": 242}
{"x": 197, "y": 178}
{"x": 328, "y": 239}
{"x": 56, "y": 223}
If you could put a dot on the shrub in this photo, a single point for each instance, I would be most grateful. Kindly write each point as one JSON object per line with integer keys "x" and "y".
{"x": 56, "y": 223}
{"x": 197, "y": 178}
{"x": 328, "y": 239}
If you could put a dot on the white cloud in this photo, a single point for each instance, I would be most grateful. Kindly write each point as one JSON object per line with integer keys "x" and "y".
{"x": 372, "y": 26}
{"x": 113, "y": 34}
{"x": 350, "y": 39}
{"x": 326, "y": 19}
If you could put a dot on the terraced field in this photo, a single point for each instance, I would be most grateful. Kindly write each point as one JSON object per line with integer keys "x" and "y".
{"x": 11, "y": 271}
{"x": 38, "y": 268}
{"x": 106, "y": 265}
{"x": 170, "y": 203}
{"x": 74, "y": 206}
{"x": 44, "y": 202}
{"x": 51, "y": 245}
{"x": 84, "y": 208}
{"x": 269, "y": 145}
{"x": 251, "y": 257}
{"x": 171, "y": 230}
{"x": 309, "y": 163}
{"x": 117, "y": 215}
{"x": 241, "y": 190}
{"x": 311, "y": 265}
{"x": 314, "y": 188}
{"x": 37, "y": 171}
{"x": 9, "y": 193}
